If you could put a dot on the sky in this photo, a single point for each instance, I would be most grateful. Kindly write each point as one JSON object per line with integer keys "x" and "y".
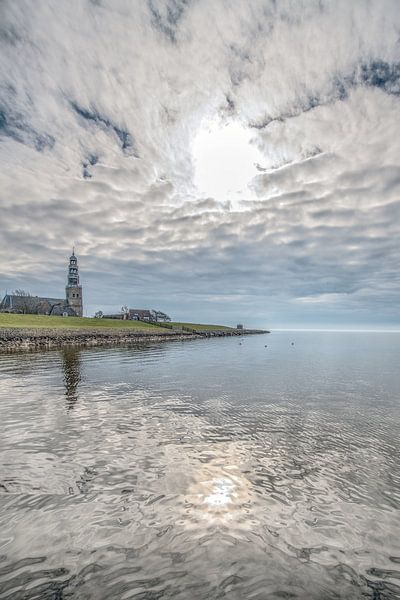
{"x": 222, "y": 161}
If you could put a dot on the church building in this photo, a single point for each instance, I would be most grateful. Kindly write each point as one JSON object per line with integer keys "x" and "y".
{"x": 71, "y": 306}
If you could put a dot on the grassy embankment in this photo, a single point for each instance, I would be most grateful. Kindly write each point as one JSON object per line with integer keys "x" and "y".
{"x": 45, "y": 322}
{"x": 41, "y": 321}
{"x": 201, "y": 327}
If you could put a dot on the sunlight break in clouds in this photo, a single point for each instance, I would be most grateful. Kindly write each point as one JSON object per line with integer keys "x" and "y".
{"x": 225, "y": 161}
{"x": 139, "y": 130}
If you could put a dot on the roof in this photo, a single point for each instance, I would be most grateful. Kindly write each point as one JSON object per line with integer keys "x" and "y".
{"x": 52, "y": 300}
{"x": 62, "y": 309}
{"x": 14, "y": 302}
{"x": 140, "y": 311}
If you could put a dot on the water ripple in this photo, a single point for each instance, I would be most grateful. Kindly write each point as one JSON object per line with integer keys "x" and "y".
{"x": 159, "y": 472}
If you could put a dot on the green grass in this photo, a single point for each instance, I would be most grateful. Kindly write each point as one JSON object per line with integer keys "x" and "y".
{"x": 45, "y": 322}
{"x": 42, "y": 321}
{"x": 202, "y": 327}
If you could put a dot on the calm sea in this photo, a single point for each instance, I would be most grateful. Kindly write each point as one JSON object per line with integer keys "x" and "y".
{"x": 266, "y": 467}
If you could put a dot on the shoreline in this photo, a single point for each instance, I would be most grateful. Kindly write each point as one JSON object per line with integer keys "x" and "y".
{"x": 22, "y": 339}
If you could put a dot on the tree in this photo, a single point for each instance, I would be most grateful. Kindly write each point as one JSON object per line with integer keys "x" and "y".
{"x": 160, "y": 316}
{"x": 27, "y": 304}
{"x": 21, "y": 293}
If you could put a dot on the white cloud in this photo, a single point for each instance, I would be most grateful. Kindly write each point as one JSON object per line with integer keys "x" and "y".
{"x": 102, "y": 103}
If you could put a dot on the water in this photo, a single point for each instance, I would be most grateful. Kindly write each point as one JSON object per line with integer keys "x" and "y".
{"x": 203, "y": 469}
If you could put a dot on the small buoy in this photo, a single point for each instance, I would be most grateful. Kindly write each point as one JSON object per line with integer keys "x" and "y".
{"x": 292, "y": 343}
{"x": 265, "y": 346}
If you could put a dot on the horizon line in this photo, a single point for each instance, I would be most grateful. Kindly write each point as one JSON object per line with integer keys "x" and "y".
{"x": 337, "y": 330}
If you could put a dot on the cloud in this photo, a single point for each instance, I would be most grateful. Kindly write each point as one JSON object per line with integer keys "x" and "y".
{"x": 100, "y": 104}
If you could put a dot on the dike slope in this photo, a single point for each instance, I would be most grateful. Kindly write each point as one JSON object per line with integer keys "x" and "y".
{"x": 19, "y": 338}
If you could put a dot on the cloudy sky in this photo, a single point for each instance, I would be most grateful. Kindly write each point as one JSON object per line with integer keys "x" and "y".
{"x": 222, "y": 160}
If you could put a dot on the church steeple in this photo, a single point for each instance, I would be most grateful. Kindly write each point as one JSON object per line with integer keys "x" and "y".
{"x": 73, "y": 274}
{"x": 73, "y": 289}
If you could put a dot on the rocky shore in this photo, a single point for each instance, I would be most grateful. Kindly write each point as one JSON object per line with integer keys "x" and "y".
{"x": 17, "y": 339}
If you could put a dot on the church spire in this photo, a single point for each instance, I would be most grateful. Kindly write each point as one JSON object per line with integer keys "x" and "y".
{"x": 73, "y": 274}
{"x": 73, "y": 288}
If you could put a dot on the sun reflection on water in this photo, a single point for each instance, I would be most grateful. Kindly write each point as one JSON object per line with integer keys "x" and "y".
{"x": 223, "y": 492}
{"x": 219, "y": 493}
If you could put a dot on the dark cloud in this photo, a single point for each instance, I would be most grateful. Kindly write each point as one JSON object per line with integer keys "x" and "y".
{"x": 91, "y": 160}
{"x": 166, "y": 15}
{"x": 93, "y": 116}
{"x": 15, "y": 125}
{"x": 382, "y": 75}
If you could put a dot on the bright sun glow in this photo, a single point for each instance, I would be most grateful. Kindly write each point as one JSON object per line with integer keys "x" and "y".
{"x": 225, "y": 161}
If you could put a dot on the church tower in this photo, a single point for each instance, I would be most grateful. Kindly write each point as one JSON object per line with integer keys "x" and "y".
{"x": 73, "y": 290}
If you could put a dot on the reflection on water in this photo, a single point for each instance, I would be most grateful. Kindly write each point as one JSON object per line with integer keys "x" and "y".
{"x": 72, "y": 374}
{"x": 205, "y": 469}
{"x": 222, "y": 492}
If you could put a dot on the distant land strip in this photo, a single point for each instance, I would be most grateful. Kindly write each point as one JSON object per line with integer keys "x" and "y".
{"x": 35, "y": 332}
